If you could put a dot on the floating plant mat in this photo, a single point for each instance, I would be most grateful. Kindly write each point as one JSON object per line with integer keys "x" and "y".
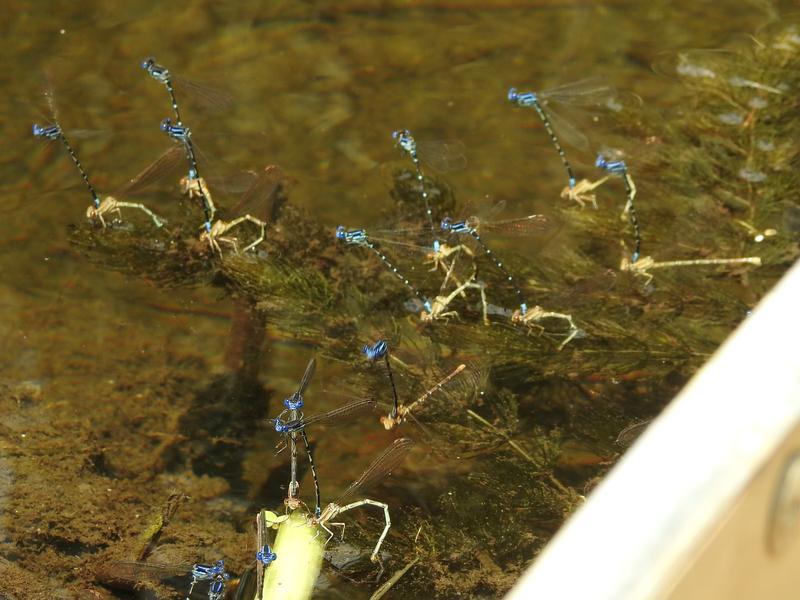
{"x": 506, "y": 450}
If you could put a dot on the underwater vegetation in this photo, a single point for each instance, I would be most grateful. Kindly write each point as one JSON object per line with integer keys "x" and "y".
{"x": 520, "y": 352}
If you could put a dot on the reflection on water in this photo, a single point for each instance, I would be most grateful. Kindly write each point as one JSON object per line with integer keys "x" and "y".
{"x": 137, "y": 367}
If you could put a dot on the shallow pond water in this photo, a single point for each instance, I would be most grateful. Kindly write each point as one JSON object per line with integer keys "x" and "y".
{"x": 138, "y": 372}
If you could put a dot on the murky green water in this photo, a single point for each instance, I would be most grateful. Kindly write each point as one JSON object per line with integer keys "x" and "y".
{"x": 134, "y": 369}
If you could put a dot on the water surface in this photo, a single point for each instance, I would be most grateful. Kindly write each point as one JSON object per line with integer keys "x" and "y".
{"x": 119, "y": 390}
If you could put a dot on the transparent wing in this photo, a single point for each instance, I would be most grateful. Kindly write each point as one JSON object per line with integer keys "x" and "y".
{"x": 408, "y": 240}
{"x": 444, "y": 156}
{"x": 88, "y": 134}
{"x": 208, "y": 95}
{"x": 142, "y": 571}
{"x": 402, "y": 248}
{"x": 522, "y": 226}
{"x": 50, "y": 97}
{"x": 384, "y": 463}
{"x": 260, "y": 197}
{"x": 342, "y": 412}
{"x": 401, "y": 232}
{"x": 566, "y": 132}
{"x": 592, "y": 91}
{"x": 309, "y": 373}
{"x": 164, "y": 165}
{"x": 489, "y": 214}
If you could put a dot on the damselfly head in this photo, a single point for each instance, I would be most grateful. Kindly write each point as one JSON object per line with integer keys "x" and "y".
{"x": 377, "y": 350}
{"x": 405, "y": 140}
{"x": 51, "y": 132}
{"x": 521, "y": 99}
